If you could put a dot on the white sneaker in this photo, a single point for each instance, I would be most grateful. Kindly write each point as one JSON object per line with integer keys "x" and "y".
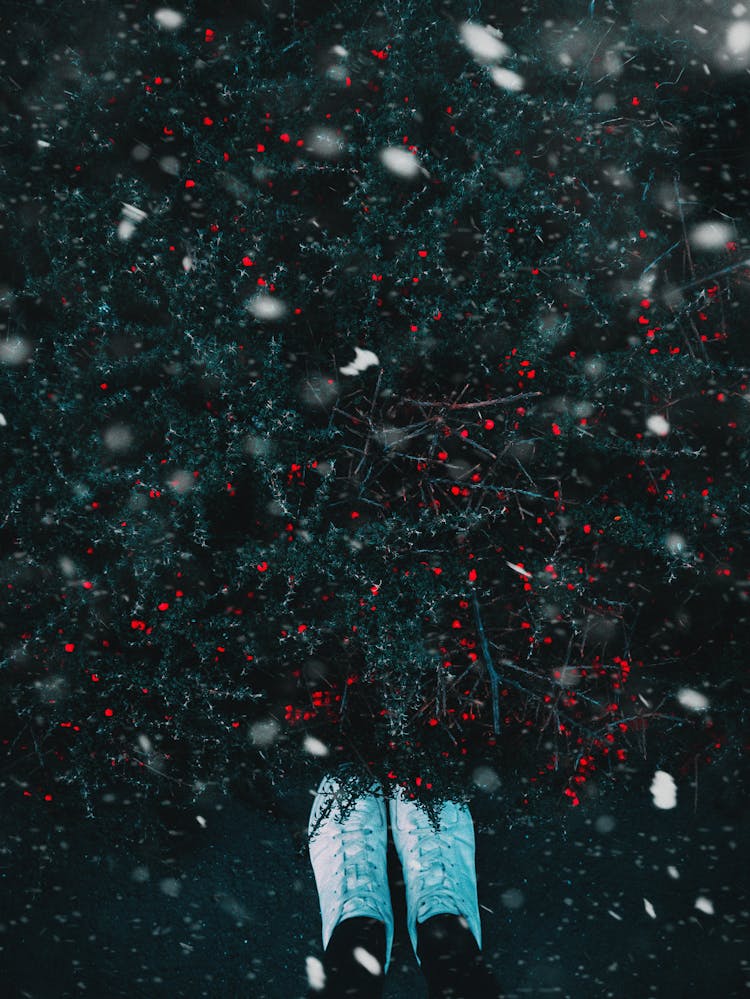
{"x": 439, "y": 867}
{"x": 349, "y": 858}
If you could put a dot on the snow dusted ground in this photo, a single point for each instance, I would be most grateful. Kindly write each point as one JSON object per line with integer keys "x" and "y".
{"x": 616, "y": 898}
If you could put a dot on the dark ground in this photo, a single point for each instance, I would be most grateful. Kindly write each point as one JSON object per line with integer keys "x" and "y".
{"x": 94, "y": 906}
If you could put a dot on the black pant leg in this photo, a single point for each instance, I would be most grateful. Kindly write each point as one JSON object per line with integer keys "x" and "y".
{"x": 452, "y": 962}
{"x": 347, "y": 977}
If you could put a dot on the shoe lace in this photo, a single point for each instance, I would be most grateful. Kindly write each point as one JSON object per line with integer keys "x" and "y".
{"x": 353, "y": 847}
{"x": 354, "y": 843}
{"x": 433, "y": 873}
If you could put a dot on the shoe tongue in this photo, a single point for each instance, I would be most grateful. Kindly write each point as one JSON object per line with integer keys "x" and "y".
{"x": 449, "y": 814}
{"x": 447, "y": 817}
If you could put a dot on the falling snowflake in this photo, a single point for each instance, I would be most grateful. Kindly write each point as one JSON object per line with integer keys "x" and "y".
{"x": 512, "y": 898}
{"x": 519, "y": 569}
{"x": 168, "y": 18}
{"x": 710, "y": 235}
{"x": 170, "y": 887}
{"x": 400, "y": 162}
{"x": 14, "y": 350}
{"x": 118, "y": 437}
{"x": 484, "y": 43}
{"x": 265, "y": 732}
{"x": 266, "y": 307}
{"x": 704, "y": 905}
{"x": 605, "y": 824}
{"x": 658, "y": 425}
{"x": 181, "y": 481}
{"x": 363, "y": 359}
{"x": 131, "y": 216}
{"x": 314, "y": 746}
{"x": 367, "y": 960}
{"x": 663, "y": 790}
{"x": 131, "y": 212}
{"x": 738, "y": 38}
{"x": 325, "y": 143}
{"x": 486, "y": 779}
{"x": 692, "y": 699}
{"x": 507, "y": 79}
{"x": 316, "y": 976}
{"x": 675, "y": 543}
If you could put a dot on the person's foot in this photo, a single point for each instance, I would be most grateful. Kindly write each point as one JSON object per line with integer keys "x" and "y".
{"x": 452, "y": 962}
{"x": 348, "y": 852}
{"x": 439, "y": 868}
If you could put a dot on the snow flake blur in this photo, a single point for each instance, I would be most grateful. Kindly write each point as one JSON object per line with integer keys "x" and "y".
{"x": 168, "y": 18}
{"x": 266, "y": 307}
{"x": 691, "y": 699}
{"x": 367, "y": 960}
{"x": 316, "y": 977}
{"x": 363, "y": 359}
{"x": 324, "y": 143}
{"x": 738, "y": 39}
{"x": 711, "y": 235}
{"x": 131, "y": 216}
{"x": 14, "y": 350}
{"x": 663, "y": 790}
{"x": 704, "y": 904}
{"x": 658, "y": 425}
{"x": 507, "y": 79}
{"x": 315, "y": 747}
{"x": 400, "y": 163}
{"x": 483, "y": 42}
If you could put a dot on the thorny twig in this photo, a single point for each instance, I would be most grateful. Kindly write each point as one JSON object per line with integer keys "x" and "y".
{"x": 505, "y": 400}
{"x": 715, "y": 274}
{"x": 689, "y": 255}
{"x": 494, "y": 678}
{"x": 369, "y": 436}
